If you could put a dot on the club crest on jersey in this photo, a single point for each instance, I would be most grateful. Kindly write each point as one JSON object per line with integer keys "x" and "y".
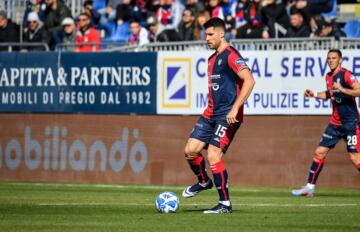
{"x": 219, "y": 62}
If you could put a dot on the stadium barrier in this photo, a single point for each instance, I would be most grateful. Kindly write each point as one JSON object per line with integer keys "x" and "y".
{"x": 95, "y": 47}
{"x": 281, "y": 44}
{"x": 18, "y": 46}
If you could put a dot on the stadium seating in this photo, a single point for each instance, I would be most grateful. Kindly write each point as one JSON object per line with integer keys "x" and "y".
{"x": 352, "y": 29}
{"x": 332, "y": 14}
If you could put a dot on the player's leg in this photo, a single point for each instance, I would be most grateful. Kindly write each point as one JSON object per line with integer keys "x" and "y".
{"x": 195, "y": 159}
{"x": 197, "y": 164}
{"x": 220, "y": 180}
{"x": 314, "y": 172}
{"x": 328, "y": 141}
{"x": 223, "y": 136}
{"x": 195, "y": 144}
{"x": 355, "y": 158}
{"x": 352, "y": 140}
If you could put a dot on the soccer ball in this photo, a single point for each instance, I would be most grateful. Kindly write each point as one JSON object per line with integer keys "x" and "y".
{"x": 167, "y": 202}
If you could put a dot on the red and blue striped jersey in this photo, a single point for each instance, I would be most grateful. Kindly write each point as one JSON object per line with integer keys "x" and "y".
{"x": 223, "y": 83}
{"x": 344, "y": 106}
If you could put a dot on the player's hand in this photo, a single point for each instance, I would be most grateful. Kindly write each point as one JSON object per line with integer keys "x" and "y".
{"x": 231, "y": 116}
{"x": 309, "y": 93}
{"x": 338, "y": 86}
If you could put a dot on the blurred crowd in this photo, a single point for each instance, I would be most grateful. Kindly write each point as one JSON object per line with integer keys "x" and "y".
{"x": 138, "y": 22}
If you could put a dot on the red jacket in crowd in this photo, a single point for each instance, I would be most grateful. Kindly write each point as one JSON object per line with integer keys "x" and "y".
{"x": 89, "y": 36}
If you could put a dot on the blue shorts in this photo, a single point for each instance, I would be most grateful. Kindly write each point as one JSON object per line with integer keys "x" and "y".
{"x": 216, "y": 132}
{"x": 349, "y": 132}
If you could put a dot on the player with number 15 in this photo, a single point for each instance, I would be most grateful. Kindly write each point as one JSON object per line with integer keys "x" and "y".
{"x": 230, "y": 83}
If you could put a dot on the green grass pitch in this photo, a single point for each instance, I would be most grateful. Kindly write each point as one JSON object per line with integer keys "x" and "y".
{"x": 70, "y": 207}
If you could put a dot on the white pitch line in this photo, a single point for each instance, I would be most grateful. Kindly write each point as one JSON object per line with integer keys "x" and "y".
{"x": 168, "y": 188}
{"x": 247, "y": 205}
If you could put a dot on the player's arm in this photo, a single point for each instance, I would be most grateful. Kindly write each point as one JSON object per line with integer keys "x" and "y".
{"x": 354, "y": 91}
{"x": 248, "y": 84}
{"x": 321, "y": 95}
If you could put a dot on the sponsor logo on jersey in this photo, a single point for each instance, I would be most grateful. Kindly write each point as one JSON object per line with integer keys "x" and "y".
{"x": 219, "y": 62}
{"x": 215, "y": 86}
{"x": 216, "y": 76}
{"x": 240, "y": 61}
{"x": 176, "y": 82}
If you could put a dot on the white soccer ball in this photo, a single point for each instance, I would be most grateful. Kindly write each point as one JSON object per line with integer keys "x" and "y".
{"x": 167, "y": 202}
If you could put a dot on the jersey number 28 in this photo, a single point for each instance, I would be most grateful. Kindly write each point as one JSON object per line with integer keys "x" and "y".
{"x": 351, "y": 140}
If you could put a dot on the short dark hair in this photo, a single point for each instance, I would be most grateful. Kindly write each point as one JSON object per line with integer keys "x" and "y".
{"x": 134, "y": 21}
{"x": 215, "y": 22}
{"x": 84, "y": 14}
{"x": 189, "y": 9}
{"x": 295, "y": 11}
{"x": 88, "y": 2}
{"x": 336, "y": 51}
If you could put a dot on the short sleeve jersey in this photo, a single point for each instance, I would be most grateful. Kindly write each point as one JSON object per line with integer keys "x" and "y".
{"x": 344, "y": 106}
{"x": 223, "y": 83}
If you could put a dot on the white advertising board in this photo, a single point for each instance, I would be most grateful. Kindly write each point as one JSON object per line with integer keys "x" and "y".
{"x": 281, "y": 78}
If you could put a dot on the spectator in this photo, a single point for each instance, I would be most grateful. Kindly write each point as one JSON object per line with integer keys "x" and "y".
{"x": 56, "y": 11}
{"x": 139, "y": 35}
{"x": 156, "y": 35}
{"x": 9, "y": 31}
{"x": 120, "y": 32}
{"x": 94, "y": 15}
{"x": 69, "y": 35}
{"x": 275, "y": 17}
{"x": 330, "y": 29}
{"x": 86, "y": 34}
{"x": 200, "y": 20}
{"x": 109, "y": 12}
{"x": 314, "y": 7}
{"x": 187, "y": 26}
{"x": 35, "y": 33}
{"x": 141, "y": 11}
{"x": 169, "y": 14}
{"x": 37, "y": 6}
{"x": 213, "y": 7}
{"x": 133, "y": 11}
{"x": 224, "y": 9}
{"x": 227, "y": 13}
{"x": 248, "y": 21}
{"x": 299, "y": 27}
{"x": 195, "y": 5}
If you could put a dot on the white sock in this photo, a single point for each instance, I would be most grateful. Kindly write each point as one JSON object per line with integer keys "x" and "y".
{"x": 226, "y": 203}
{"x": 310, "y": 186}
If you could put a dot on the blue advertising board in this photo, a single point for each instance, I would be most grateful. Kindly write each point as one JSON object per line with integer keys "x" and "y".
{"x": 78, "y": 82}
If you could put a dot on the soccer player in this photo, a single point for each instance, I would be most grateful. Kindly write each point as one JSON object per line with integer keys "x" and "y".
{"x": 230, "y": 84}
{"x": 342, "y": 88}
